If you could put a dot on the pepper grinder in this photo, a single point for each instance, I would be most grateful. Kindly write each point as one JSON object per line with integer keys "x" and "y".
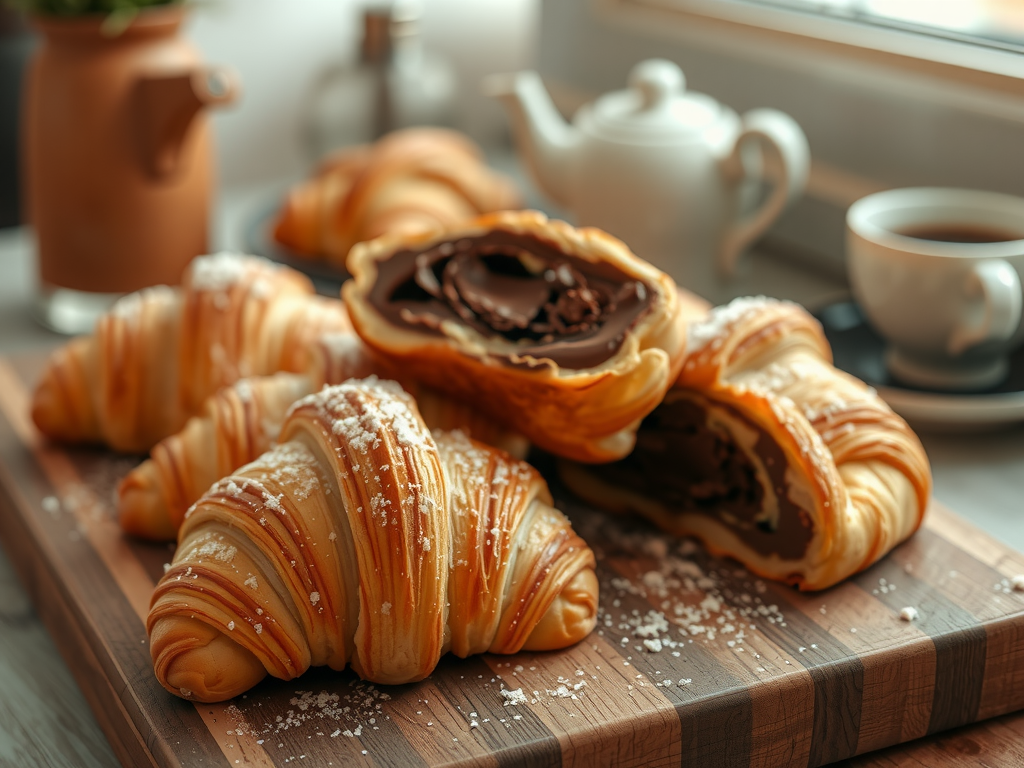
{"x": 396, "y": 83}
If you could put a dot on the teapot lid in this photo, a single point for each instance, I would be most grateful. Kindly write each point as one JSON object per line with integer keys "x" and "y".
{"x": 655, "y": 107}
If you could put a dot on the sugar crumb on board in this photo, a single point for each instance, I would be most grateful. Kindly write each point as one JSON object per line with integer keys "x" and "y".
{"x": 334, "y": 715}
{"x": 689, "y": 603}
{"x": 909, "y": 613}
{"x": 1009, "y": 585}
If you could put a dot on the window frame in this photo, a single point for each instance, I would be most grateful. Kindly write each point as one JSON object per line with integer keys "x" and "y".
{"x": 762, "y": 30}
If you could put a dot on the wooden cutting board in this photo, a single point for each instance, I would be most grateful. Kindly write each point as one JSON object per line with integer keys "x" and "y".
{"x": 694, "y": 660}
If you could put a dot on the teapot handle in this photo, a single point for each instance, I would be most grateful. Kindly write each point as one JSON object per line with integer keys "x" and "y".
{"x": 165, "y": 104}
{"x": 786, "y": 164}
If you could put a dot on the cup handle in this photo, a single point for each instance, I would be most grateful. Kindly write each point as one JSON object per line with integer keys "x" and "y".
{"x": 787, "y": 161}
{"x": 997, "y": 284}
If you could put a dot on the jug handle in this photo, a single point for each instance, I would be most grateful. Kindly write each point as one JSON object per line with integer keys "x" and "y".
{"x": 165, "y": 105}
{"x": 786, "y": 165}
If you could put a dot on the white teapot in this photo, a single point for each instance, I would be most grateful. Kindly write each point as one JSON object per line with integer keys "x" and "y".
{"x": 669, "y": 172}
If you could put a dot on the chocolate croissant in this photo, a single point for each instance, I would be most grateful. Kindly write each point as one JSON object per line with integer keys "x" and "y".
{"x": 156, "y": 357}
{"x": 363, "y": 540}
{"x": 769, "y": 454}
{"x": 412, "y": 180}
{"x": 560, "y": 333}
{"x": 242, "y": 421}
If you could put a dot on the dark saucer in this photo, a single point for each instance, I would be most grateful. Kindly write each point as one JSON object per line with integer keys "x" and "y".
{"x": 859, "y": 350}
{"x": 259, "y": 241}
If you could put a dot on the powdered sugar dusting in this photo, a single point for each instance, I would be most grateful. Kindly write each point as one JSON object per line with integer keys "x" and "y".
{"x": 287, "y": 465}
{"x": 365, "y": 412}
{"x": 345, "y": 356}
{"x": 686, "y": 603}
{"x": 129, "y": 308}
{"x": 348, "y": 714}
{"x": 513, "y": 697}
{"x": 221, "y": 271}
{"x": 720, "y": 319}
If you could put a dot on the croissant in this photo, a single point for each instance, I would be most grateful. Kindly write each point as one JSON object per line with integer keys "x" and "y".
{"x": 558, "y": 332}
{"x": 242, "y": 421}
{"x": 412, "y": 180}
{"x": 156, "y": 357}
{"x": 771, "y": 455}
{"x": 363, "y": 540}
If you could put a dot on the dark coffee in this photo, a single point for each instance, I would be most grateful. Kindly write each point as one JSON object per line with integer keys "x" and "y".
{"x": 960, "y": 233}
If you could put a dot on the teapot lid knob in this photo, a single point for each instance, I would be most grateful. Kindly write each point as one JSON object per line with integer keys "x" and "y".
{"x": 658, "y": 80}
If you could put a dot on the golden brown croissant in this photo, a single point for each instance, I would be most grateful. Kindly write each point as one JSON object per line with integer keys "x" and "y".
{"x": 770, "y": 454}
{"x": 242, "y": 421}
{"x": 362, "y": 539}
{"x": 156, "y": 357}
{"x": 412, "y": 180}
{"x": 558, "y": 332}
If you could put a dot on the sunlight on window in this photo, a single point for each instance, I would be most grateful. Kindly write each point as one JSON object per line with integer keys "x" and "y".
{"x": 999, "y": 22}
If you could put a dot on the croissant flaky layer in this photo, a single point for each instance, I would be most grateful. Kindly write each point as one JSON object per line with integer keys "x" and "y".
{"x": 771, "y": 455}
{"x": 561, "y": 333}
{"x": 364, "y": 540}
{"x": 242, "y": 421}
{"x": 412, "y": 180}
{"x": 155, "y": 358}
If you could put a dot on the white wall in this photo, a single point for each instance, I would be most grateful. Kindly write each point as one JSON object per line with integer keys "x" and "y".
{"x": 279, "y": 46}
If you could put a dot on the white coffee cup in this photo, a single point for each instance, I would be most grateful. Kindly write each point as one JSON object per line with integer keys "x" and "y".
{"x": 938, "y": 273}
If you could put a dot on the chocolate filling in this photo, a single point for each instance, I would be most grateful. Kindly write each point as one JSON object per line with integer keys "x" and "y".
{"x": 690, "y": 466}
{"x": 550, "y": 304}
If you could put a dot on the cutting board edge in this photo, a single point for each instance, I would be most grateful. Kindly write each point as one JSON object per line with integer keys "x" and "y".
{"x": 73, "y": 637}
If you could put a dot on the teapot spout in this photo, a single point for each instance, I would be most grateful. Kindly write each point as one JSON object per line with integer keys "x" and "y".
{"x": 545, "y": 141}
{"x": 165, "y": 106}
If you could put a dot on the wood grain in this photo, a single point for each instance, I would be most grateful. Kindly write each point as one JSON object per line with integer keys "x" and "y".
{"x": 694, "y": 660}
{"x": 37, "y": 690}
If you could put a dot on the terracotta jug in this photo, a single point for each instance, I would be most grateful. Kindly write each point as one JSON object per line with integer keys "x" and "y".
{"x": 117, "y": 152}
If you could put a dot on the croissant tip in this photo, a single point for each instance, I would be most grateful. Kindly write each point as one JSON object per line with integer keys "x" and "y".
{"x": 298, "y": 223}
{"x": 141, "y": 509}
{"x": 571, "y": 617}
{"x": 197, "y": 662}
{"x": 62, "y": 407}
{"x": 52, "y": 412}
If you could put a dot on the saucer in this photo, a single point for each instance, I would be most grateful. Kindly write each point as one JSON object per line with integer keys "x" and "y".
{"x": 859, "y": 350}
{"x": 258, "y": 238}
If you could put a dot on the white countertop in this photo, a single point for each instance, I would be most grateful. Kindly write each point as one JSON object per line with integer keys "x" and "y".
{"x": 44, "y": 721}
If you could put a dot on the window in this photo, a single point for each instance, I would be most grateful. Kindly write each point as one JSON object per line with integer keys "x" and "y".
{"x": 977, "y": 42}
{"x": 995, "y": 23}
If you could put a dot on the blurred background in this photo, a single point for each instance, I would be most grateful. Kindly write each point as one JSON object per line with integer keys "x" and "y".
{"x": 873, "y": 120}
{"x": 282, "y": 51}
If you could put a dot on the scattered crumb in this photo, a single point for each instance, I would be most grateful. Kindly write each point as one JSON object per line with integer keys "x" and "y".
{"x": 514, "y": 697}
{"x": 1012, "y": 584}
{"x": 908, "y": 613}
